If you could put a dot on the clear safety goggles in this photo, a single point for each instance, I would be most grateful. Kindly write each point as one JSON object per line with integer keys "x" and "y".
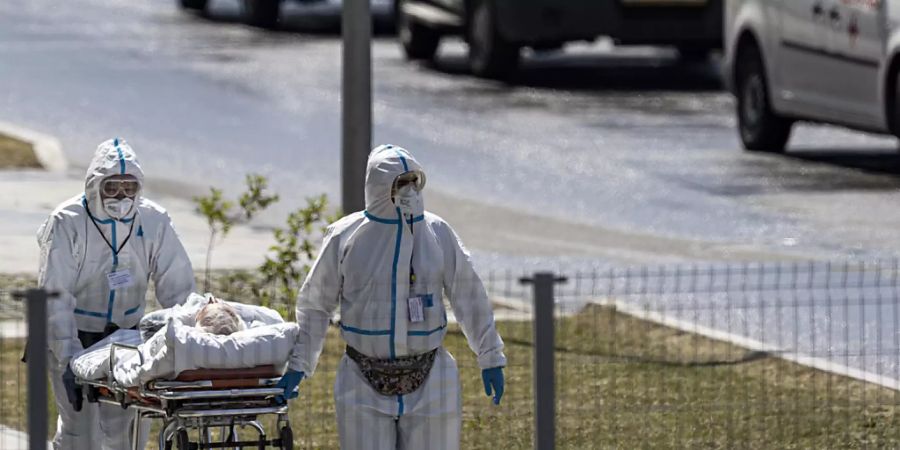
{"x": 112, "y": 188}
{"x": 416, "y": 179}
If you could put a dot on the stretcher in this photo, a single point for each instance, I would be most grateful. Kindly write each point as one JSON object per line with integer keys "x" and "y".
{"x": 197, "y": 402}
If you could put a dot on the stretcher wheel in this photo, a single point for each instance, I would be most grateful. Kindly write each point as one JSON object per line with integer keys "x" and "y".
{"x": 287, "y": 438}
{"x": 93, "y": 394}
{"x": 182, "y": 441}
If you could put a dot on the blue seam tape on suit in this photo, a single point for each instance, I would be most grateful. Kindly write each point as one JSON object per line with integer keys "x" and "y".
{"x": 394, "y": 281}
{"x": 89, "y": 313}
{"x": 112, "y": 292}
{"x": 365, "y": 332}
{"x": 403, "y": 160}
{"x": 375, "y": 218}
{"x": 121, "y": 157}
{"x": 426, "y": 333}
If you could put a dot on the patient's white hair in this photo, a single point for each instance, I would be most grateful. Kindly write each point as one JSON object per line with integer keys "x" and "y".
{"x": 217, "y": 317}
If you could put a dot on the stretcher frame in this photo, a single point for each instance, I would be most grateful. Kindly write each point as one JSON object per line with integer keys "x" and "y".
{"x": 199, "y": 401}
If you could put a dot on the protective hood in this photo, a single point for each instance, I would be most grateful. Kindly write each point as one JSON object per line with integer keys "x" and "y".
{"x": 113, "y": 157}
{"x": 386, "y": 163}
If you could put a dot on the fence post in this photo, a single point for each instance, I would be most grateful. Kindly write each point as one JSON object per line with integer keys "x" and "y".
{"x": 36, "y": 317}
{"x": 356, "y": 101}
{"x": 544, "y": 359}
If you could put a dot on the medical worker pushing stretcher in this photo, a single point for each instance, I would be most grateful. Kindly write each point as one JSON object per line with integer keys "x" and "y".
{"x": 99, "y": 250}
{"x": 387, "y": 268}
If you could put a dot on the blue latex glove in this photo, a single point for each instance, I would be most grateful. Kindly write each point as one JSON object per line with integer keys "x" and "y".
{"x": 289, "y": 383}
{"x": 493, "y": 381}
{"x": 73, "y": 390}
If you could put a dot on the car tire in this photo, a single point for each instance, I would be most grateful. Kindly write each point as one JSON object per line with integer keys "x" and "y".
{"x": 261, "y": 13}
{"x": 197, "y": 5}
{"x": 419, "y": 42}
{"x": 760, "y": 128}
{"x": 490, "y": 55}
{"x": 894, "y": 107}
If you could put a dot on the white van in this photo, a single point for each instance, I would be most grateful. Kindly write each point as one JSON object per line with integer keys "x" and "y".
{"x": 830, "y": 61}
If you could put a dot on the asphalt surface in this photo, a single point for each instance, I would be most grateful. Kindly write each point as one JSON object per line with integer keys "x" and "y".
{"x": 620, "y": 156}
{"x": 591, "y": 157}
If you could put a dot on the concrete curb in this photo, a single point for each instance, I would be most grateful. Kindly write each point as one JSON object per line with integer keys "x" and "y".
{"x": 47, "y": 149}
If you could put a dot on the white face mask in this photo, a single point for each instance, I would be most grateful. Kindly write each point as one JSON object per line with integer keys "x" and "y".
{"x": 116, "y": 208}
{"x": 408, "y": 200}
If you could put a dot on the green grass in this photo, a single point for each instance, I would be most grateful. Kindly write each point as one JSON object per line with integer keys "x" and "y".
{"x": 16, "y": 154}
{"x": 621, "y": 383}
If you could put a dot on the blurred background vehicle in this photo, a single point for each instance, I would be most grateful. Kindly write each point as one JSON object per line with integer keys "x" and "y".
{"x": 496, "y": 30}
{"x": 265, "y": 13}
{"x": 832, "y": 62}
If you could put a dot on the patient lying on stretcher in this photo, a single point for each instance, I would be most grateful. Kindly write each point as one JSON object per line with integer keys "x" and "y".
{"x": 217, "y": 317}
{"x": 203, "y": 333}
{"x": 209, "y": 314}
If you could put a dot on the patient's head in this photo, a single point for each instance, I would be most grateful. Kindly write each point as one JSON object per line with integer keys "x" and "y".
{"x": 217, "y": 317}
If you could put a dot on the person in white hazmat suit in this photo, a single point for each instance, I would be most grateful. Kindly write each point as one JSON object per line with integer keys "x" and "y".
{"x": 388, "y": 268}
{"x": 99, "y": 250}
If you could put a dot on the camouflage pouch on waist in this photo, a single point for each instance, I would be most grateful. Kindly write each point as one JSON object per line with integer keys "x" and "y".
{"x": 400, "y": 376}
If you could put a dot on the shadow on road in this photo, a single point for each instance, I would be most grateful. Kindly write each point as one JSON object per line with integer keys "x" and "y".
{"x": 606, "y": 72}
{"x": 885, "y": 160}
{"x": 787, "y": 172}
{"x": 835, "y": 170}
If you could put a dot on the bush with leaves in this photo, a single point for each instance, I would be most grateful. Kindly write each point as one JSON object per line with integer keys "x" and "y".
{"x": 287, "y": 261}
{"x": 287, "y": 264}
{"x": 221, "y": 217}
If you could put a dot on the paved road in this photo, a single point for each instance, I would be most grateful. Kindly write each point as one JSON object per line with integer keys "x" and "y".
{"x": 13, "y": 439}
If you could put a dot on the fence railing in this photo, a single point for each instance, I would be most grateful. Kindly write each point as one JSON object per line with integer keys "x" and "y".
{"x": 23, "y": 411}
{"x": 780, "y": 355}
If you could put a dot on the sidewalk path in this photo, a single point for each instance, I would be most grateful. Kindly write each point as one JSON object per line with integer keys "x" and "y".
{"x": 29, "y": 197}
{"x": 11, "y": 439}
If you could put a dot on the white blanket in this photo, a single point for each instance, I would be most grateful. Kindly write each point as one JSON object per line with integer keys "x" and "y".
{"x": 179, "y": 346}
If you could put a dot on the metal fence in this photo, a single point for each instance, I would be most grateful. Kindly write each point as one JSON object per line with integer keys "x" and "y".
{"x": 780, "y": 355}
{"x": 18, "y": 412}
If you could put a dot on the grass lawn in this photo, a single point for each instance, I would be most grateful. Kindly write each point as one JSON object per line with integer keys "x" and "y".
{"x": 15, "y": 154}
{"x": 621, "y": 383}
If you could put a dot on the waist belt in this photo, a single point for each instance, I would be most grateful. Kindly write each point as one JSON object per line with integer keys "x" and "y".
{"x": 87, "y": 338}
{"x": 398, "y": 376}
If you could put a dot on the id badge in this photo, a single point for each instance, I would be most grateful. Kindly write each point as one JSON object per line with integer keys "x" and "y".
{"x": 416, "y": 310}
{"x": 120, "y": 279}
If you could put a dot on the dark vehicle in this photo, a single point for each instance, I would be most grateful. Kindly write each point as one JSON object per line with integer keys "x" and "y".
{"x": 496, "y": 30}
{"x": 265, "y": 13}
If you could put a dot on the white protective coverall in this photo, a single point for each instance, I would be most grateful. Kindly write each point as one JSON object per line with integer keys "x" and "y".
{"x": 364, "y": 267}
{"x": 77, "y": 243}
